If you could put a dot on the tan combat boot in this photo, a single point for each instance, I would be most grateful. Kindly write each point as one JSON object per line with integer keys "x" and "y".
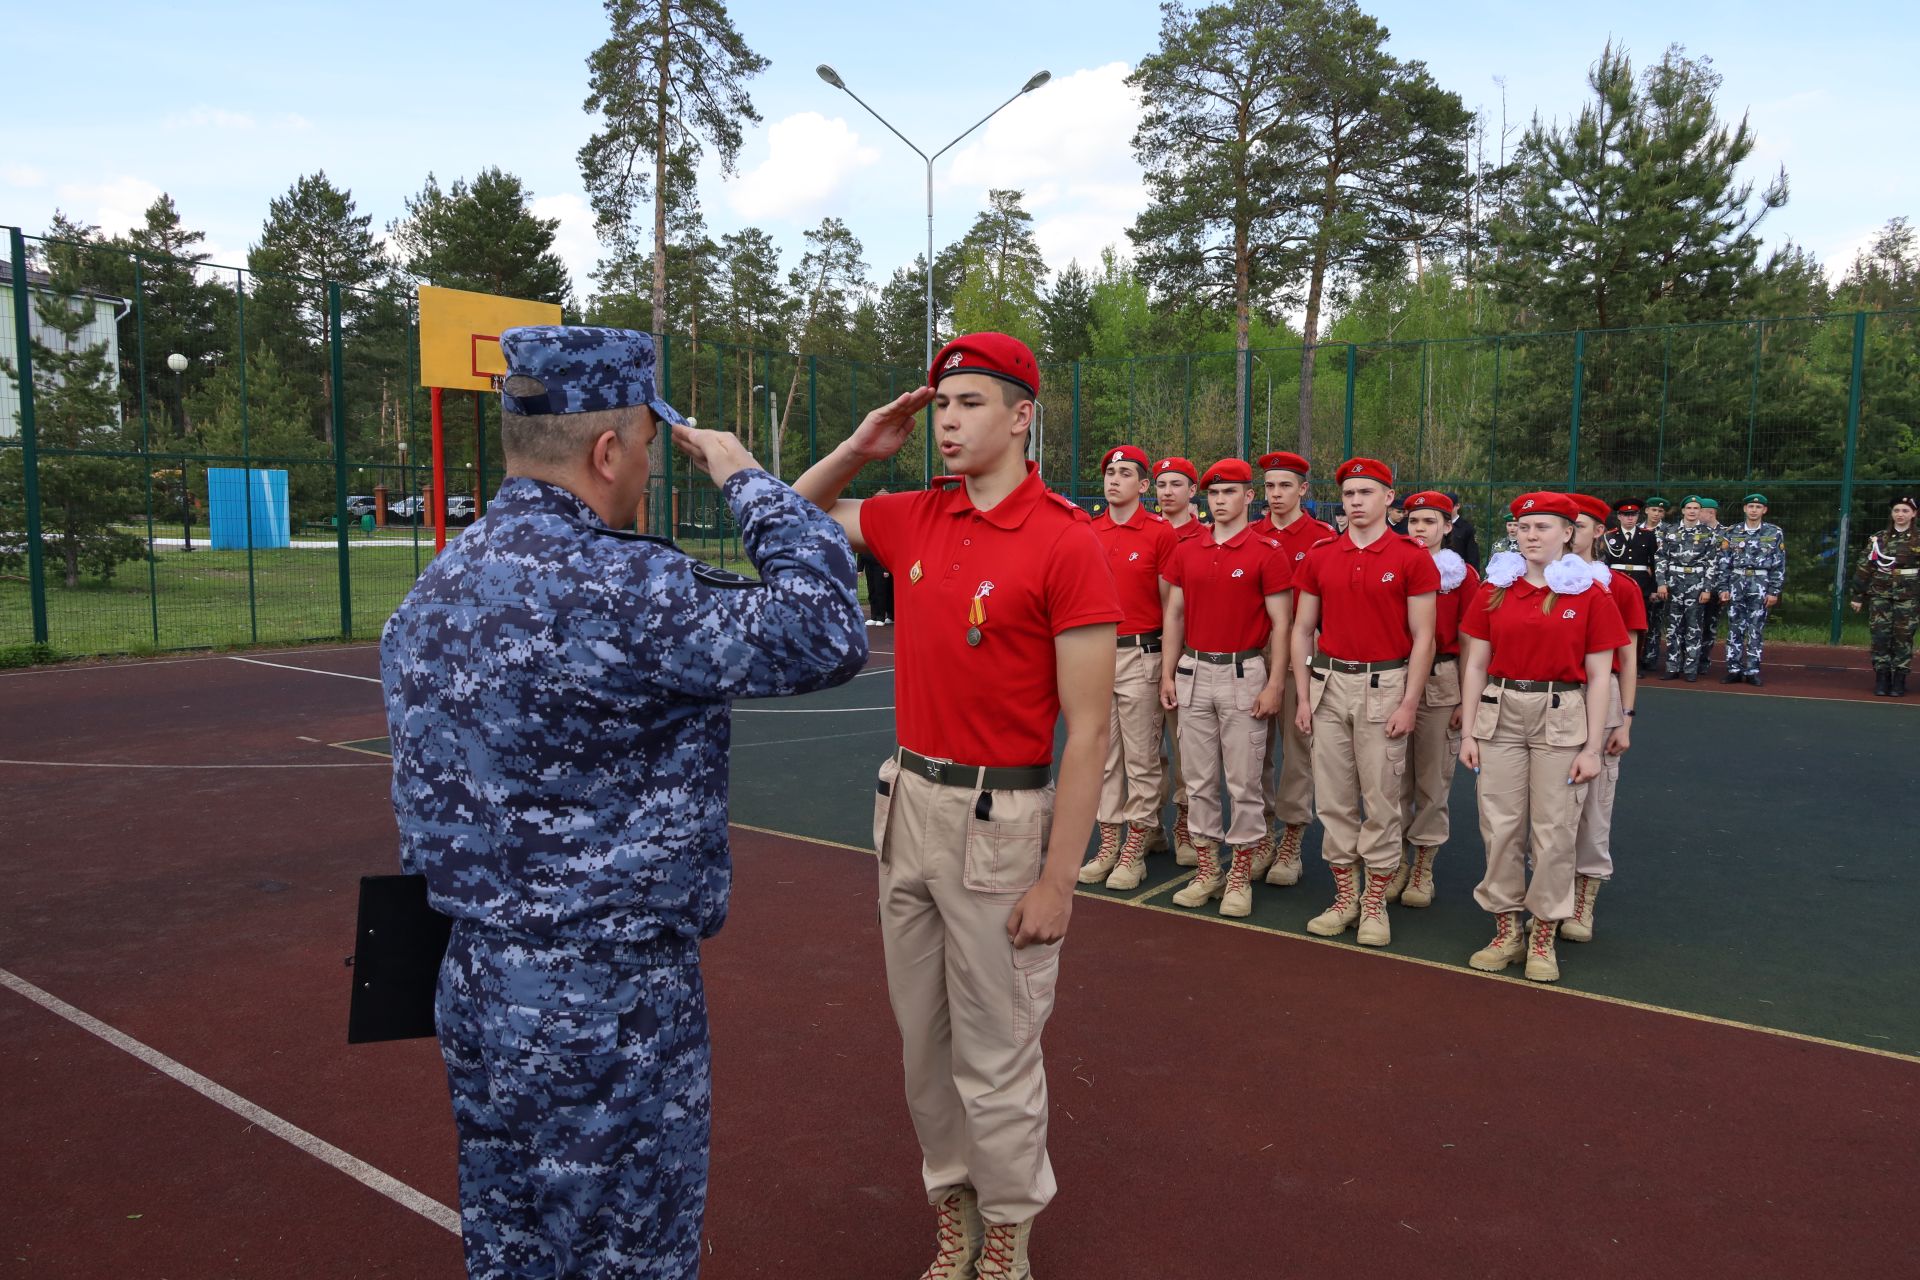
{"x": 1419, "y": 890}
{"x": 1105, "y": 856}
{"x": 957, "y": 1239}
{"x": 1237, "y": 898}
{"x": 1208, "y": 883}
{"x": 1003, "y": 1253}
{"x": 1374, "y": 930}
{"x": 1580, "y": 928}
{"x": 1265, "y": 850}
{"x": 1542, "y": 964}
{"x": 1132, "y": 867}
{"x": 1157, "y": 836}
{"x": 1335, "y": 920}
{"x": 1397, "y": 885}
{"x": 1183, "y": 851}
{"x": 1507, "y": 946}
{"x": 1286, "y": 856}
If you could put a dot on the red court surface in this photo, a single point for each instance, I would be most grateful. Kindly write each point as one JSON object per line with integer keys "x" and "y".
{"x": 1226, "y": 1102}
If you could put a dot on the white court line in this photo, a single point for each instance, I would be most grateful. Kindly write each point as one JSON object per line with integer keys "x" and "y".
{"x": 320, "y": 1149}
{"x": 312, "y": 671}
{"x": 91, "y": 764}
{"x": 877, "y": 671}
{"x": 824, "y": 737}
{"x": 802, "y": 711}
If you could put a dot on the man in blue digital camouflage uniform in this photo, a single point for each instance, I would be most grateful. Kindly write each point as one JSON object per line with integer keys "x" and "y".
{"x": 1749, "y": 576}
{"x": 557, "y": 691}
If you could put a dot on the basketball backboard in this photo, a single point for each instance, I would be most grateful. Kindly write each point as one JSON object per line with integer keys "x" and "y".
{"x": 460, "y": 335}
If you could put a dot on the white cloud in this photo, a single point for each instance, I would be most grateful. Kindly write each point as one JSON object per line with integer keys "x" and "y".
{"x": 1836, "y": 259}
{"x": 21, "y": 175}
{"x": 114, "y": 206}
{"x": 1069, "y": 147}
{"x": 809, "y": 157}
{"x": 574, "y": 241}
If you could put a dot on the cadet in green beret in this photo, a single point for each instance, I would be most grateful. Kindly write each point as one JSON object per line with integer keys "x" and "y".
{"x": 1749, "y": 575}
{"x": 1681, "y": 576}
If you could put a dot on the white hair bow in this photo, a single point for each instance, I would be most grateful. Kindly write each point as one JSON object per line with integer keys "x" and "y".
{"x": 1453, "y": 570}
{"x": 1505, "y": 568}
{"x": 1570, "y": 575}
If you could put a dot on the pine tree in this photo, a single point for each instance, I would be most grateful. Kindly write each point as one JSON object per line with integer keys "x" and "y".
{"x": 482, "y": 236}
{"x": 1000, "y": 283}
{"x": 1066, "y": 314}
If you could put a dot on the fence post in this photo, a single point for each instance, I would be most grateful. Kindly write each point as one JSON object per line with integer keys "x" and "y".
{"x": 337, "y": 369}
{"x": 1186, "y": 408}
{"x": 1246, "y": 402}
{"x": 1753, "y": 393}
{"x": 1666, "y": 382}
{"x": 246, "y": 469}
{"x": 1579, "y": 387}
{"x": 1073, "y": 472}
{"x": 1346, "y": 429}
{"x": 1420, "y": 423}
{"x": 29, "y": 437}
{"x": 1846, "y": 473}
{"x": 146, "y": 441}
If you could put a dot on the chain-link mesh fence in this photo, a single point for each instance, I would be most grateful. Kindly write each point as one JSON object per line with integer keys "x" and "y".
{"x": 205, "y": 456}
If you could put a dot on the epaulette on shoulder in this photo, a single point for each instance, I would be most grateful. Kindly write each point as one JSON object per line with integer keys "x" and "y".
{"x": 1078, "y": 510}
{"x": 1269, "y": 541}
{"x": 712, "y": 577}
{"x": 1324, "y": 542}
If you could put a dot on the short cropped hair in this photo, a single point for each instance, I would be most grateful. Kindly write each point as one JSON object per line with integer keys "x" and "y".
{"x": 559, "y": 439}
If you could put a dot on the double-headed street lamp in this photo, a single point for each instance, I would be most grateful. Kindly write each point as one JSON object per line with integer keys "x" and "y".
{"x": 832, "y": 77}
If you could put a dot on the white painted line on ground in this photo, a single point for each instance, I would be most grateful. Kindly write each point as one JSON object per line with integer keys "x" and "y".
{"x": 825, "y": 737}
{"x": 802, "y": 711}
{"x": 312, "y": 671}
{"x": 114, "y": 764}
{"x": 359, "y": 1170}
{"x": 877, "y": 671}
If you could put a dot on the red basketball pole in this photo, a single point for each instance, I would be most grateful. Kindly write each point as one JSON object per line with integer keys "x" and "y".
{"x": 439, "y": 477}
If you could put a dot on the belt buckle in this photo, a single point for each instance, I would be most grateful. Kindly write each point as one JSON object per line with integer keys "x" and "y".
{"x": 934, "y": 765}
{"x": 1523, "y": 684}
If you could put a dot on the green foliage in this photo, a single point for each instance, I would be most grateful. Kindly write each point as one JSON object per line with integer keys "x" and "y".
{"x": 481, "y": 236}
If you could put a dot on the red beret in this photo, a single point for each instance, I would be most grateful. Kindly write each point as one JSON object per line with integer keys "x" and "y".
{"x": 1283, "y": 461}
{"x": 1181, "y": 465}
{"x": 1429, "y": 500}
{"x": 1125, "y": 453}
{"x": 1544, "y": 504}
{"x": 1227, "y": 471}
{"x": 1588, "y": 505}
{"x": 997, "y": 355}
{"x": 1364, "y": 469}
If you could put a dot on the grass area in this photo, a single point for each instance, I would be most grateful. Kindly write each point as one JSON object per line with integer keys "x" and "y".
{"x": 206, "y": 599}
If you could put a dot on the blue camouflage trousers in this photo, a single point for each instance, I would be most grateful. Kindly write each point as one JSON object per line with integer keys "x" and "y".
{"x": 1688, "y": 639}
{"x": 581, "y": 1092}
{"x": 1746, "y": 630}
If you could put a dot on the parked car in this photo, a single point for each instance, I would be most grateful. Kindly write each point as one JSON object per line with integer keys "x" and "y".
{"x": 461, "y": 510}
{"x": 407, "y": 509}
{"x": 360, "y": 504}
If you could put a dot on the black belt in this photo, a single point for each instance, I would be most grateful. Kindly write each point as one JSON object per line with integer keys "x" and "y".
{"x": 979, "y": 777}
{"x": 1439, "y": 658}
{"x": 1149, "y": 641}
{"x": 1536, "y": 686}
{"x": 1325, "y": 663}
{"x": 1224, "y": 659}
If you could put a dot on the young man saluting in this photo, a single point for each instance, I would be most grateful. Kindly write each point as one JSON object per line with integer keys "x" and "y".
{"x": 1289, "y": 789}
{"x": 1138, "y": 544}
{"x": 1005, "y": 617}
{"x": 1370, "y": 592}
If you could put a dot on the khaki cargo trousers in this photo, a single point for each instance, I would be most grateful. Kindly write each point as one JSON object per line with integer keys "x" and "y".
{"x": 1528, "y": 742}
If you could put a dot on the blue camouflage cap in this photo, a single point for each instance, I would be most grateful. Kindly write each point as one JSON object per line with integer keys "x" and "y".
{"x": 553, "y": 368}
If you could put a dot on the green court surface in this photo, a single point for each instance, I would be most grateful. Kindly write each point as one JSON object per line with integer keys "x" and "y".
{"x": 1764, "y": 851}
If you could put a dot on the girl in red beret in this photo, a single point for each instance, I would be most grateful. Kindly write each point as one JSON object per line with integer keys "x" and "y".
{"x": 1542, "y": 631}
{"x": 1593, "y": 847}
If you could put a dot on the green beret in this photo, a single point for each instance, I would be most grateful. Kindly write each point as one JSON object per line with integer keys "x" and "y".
{"x": 1707, "y": 504}
{"x": 1658, "y": 501}
{"x": 1760, "y": 498}
{"x": 1692, "y": 497}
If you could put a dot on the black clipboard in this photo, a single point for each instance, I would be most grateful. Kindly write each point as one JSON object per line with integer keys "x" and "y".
{"x": 398, "y": 944}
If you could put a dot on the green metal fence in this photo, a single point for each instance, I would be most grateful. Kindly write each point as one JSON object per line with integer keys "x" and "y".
{"x": 103, "y": 467}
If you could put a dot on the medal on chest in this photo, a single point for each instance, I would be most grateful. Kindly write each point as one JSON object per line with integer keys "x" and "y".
{"x": 977, "y": 614}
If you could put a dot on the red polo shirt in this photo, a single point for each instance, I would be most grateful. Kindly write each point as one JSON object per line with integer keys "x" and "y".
{"x": 1193, "y": 528}
{"x": 1363, "y": 594}
{"x": 1447, "y": 610}
{"x": 1136, "y": 552}
{"x": 1296, "y": 540}
{"x": 1534, "y": 642}
{"x": 1632, "y": 606}
{"x": 1037, "y": 569}
{"x": 1224, "y": 588}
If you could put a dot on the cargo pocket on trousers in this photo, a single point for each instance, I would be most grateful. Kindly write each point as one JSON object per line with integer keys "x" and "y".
{"x": 1249, "y": 678}
{"x": 883, "y": 804}
{"x": 1036, "y": 973}
{"x": 1183, "y": 686}
{"x": 1566, "y": 720}
{"x": 1316, "y": 690}
{"x": 1443, "y": 686}
{"x": 1486, "y": 716}
{"x": 1007, "y": 840}
{"x": 1384, "y": 691}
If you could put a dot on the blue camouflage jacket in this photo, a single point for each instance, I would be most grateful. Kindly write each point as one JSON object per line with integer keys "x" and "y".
{"x": 557, "y": 694}
{"x": 1757, "y": 557}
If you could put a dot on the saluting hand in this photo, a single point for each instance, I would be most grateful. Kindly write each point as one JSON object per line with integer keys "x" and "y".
{"x": 718, "y": 454}
{"x": 882, "y": 433}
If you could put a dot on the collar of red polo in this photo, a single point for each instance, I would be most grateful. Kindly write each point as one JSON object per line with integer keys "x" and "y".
{"x": 1238, "y": 539}
{"x": 1008, "y": 513}
{"x": 1345, "y": 542}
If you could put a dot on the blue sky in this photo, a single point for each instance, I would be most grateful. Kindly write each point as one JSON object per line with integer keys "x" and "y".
{"x": 224, "y": 105}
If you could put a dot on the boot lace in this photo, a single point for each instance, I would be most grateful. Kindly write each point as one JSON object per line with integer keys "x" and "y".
{"x": 1240, "y": 870}
{"x": 1135, "y": 848}
{"x": 1374, "y": 904}
{"x": 1109, "y": 840}
{"x": 1581, "y": 898}
{"x": 1290, "y": 844}
{"x": 1542, "y": 938}
{"x": 1209, "y": 866}
{"x": 1344, "y": 893}
{"x": 998, "y": 1247}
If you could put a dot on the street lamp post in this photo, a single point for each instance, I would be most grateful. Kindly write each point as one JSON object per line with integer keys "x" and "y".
{"x": 773, "y": 423}
{"x": 832, "y": 77}
{"x": 401, "y": 445}
{"x": 178, "y": 363}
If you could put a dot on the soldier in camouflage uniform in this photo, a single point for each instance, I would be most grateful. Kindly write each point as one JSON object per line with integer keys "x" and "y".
{"x": 1711, "y": 615}
{"x": 1748, "y": 577}
{"x": 1507, "y": 543}
{"x": 1681, "y": 577}
{"x": 1887, "y": 583}
{"x": 1656, "y": 524}
{"x": 557, "y": 691}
